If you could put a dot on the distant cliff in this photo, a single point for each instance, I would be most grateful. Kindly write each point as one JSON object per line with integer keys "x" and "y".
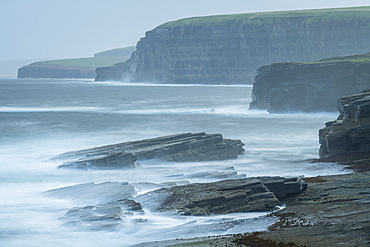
{"x": 230, "y": 48}
{"x": 73, "y": 68}
{"x": 310, "y": 87}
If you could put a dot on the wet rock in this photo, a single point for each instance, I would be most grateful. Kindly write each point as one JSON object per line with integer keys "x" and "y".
{"x": 107, "y": 216}
{"x": 333, "y": 211}
{"x": 175, "y": 148}
{"x": 350, "y": 132}
{"x": 222, "y": 197}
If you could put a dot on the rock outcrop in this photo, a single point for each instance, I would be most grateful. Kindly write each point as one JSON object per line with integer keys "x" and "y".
{"x": 229, "y": 49}
{"x": 309, "y": 87}
{"x": 333, "y": 211}
{"x": 175, "y": 148}
{"x": 224, "y": 197}
{"x": 350, "y": 132}
{"x": 114, "y": 203}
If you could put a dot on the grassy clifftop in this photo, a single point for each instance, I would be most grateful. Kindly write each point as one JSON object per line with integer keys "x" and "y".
{"x": 89, "y": 62}
{"x": 69, "y": 68}
{"x": 314, "y": 15}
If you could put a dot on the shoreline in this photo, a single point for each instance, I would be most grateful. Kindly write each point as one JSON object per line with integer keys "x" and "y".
{"x": 334, "y": 210}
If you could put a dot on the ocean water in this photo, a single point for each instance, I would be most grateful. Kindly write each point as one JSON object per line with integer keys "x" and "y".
{"x": 40, "y": 119}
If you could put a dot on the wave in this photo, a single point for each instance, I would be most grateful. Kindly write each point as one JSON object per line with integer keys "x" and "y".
{"x": 152, "y": 84}
{"x": 50, "y": 109}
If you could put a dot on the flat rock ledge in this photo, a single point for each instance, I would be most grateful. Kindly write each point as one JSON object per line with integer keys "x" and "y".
{"x": 109, "y": 212}
{"x": 185, "y": 147}
{"x": 333, "y": 211}
{"x": 224, "y": 197}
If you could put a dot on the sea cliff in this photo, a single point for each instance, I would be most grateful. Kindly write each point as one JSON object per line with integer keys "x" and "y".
{"x": 347, "y": 137}
{"x": 310, "y": 87}
{"x": 229, "y": 49}
{"x": 75, "y": 67}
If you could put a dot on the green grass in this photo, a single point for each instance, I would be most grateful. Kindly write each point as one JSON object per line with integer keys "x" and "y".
{"x": 311, "y": 16}
{"x": 125, "y": 51}
{"x": 88, "y": 62}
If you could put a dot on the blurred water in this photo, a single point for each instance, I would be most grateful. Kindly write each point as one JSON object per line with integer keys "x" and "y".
{"x": 42, "y": 118}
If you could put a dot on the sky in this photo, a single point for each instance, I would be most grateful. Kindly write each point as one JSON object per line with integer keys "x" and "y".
{"x": 57, "y": 29}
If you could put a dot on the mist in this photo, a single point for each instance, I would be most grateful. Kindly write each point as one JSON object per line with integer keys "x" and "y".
{"x": 43, "y": 29}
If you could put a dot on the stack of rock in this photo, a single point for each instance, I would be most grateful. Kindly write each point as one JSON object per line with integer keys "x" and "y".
{"x": 350, "y": 132}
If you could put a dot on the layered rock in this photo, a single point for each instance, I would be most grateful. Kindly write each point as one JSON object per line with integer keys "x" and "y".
{"x": 333, "y": 211}
{"x": 224, "y": 197}
{"x": 229, "y": 49}
{"x": 309, "y": 87}
{"x": 112, "y": 204}
{"x": 176, "y": 148}
{"x": 350, "y": 132}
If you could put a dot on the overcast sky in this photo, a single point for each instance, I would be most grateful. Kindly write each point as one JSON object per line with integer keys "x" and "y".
{"x": 56, "y": 29}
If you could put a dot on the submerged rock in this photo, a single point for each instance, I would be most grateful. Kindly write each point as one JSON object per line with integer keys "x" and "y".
{"x": 350, "y": 132}
{"x": 179, "y": 148}
{"x": 106, "y": 216}
{"x": 92, "y": 193}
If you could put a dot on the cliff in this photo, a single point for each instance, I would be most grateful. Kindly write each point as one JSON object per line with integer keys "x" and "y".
{"x": 310, "y": 87}
{"x": 68, "y": 68}
{"x": 349, "y": 134}
{"x": 229, "y": 49}
{"x": 118, "y": 52}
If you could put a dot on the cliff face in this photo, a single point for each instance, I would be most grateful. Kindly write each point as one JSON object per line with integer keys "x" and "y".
{"x": 70, "y": 68}
{"x": 309, "y": 87}
{"x": 229, "y": 49}
{"x": 55, "y": 72}
{"x": 351, "y": 131}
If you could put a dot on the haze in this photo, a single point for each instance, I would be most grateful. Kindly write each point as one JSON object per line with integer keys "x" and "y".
{"x": 69, "y": 28}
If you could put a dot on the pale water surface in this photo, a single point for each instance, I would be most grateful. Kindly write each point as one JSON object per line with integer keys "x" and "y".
{"x": 40, "y": 119}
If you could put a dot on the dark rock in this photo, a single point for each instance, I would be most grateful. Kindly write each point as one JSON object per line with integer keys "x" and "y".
{"x": 179, "y": 148}
{"x": 350, "y": 133}
{"x": 106, "y": 216}
{"x": 229, "y": 49}
{"x": 309, "y": 87}
{"x": 222, "y": 197}
{"x": 334, "y": 211}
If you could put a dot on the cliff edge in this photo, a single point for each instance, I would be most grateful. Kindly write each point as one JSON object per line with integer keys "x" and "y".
{"x": 228, "y": 49}
{"x": 348, "y": 136}
{"x": 310, "y": 87}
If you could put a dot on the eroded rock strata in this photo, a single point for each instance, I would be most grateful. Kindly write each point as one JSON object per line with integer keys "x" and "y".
{"x": 229, "y": 49}
{"x": 176, "y": 148}
{"x": 350, "y": 132}
{"x": 224, "y": 197}
{"x": 333, "y": 211}
{"x": 309, "y": 87}
{"x": 116, "y": 202}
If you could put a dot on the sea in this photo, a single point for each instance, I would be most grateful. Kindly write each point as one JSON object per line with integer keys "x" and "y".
{"x": 42, "y": 118}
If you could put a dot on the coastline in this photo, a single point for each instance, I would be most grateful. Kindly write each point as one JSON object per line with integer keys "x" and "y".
{"x": 334, "y": 210}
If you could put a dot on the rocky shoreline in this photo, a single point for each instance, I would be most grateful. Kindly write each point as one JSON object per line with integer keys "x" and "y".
{"x": 333, "y": 211}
